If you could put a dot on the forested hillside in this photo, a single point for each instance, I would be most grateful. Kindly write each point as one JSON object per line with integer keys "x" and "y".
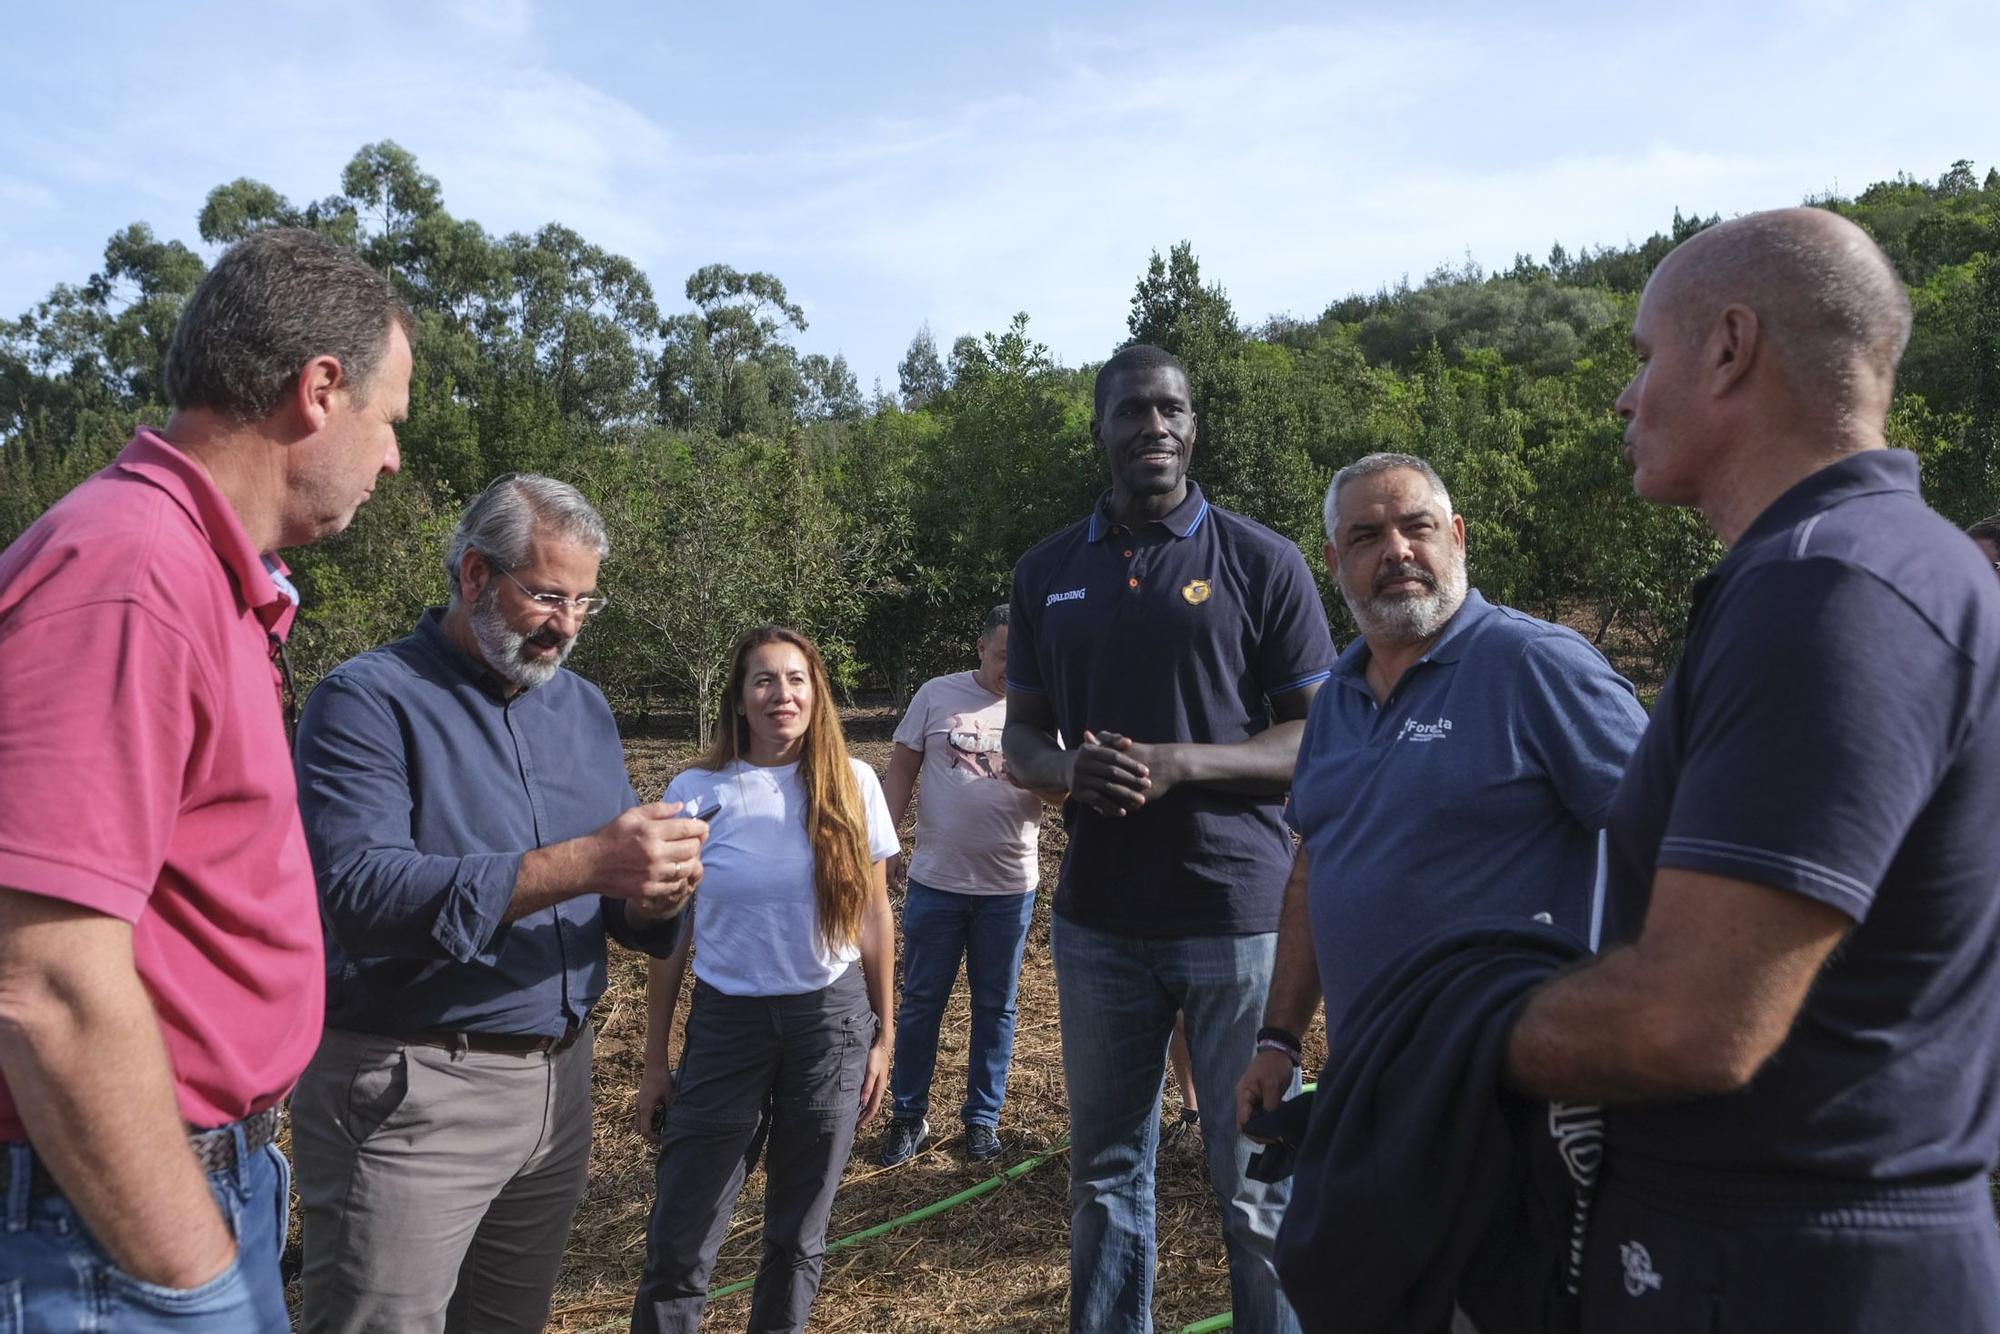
{"x": 744, "y": 480}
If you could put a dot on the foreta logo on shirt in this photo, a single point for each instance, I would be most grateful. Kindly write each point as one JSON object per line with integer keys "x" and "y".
{"x": 1074, "y": 595}
{"x": 1638, "y": 1261}
{"x": 1196, "y": 592}
{"x": 1416, "y": 731}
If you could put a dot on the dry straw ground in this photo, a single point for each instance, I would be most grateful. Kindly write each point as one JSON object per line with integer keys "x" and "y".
{"x": 999, "y": 1262}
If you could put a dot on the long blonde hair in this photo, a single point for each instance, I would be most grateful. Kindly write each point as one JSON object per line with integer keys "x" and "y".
{"x": 836, "y": 823}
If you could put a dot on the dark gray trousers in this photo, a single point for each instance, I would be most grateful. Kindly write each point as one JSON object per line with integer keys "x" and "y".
{"x": 436, "y": 1187}
{"x": 780, "y": 1072}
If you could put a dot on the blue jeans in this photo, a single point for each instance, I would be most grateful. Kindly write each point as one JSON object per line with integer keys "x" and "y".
{"x": 990, "y": 930}
{"x": 54, "y": 1275}
{"x": 1119, "y": 995}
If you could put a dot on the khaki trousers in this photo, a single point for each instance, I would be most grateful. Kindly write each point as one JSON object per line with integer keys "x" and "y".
{"x": 436, "y": 1186}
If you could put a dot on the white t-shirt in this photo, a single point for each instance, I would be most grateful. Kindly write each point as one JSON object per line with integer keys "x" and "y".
{"x": 975, "y": 830}
{"x": 756, "y": 926}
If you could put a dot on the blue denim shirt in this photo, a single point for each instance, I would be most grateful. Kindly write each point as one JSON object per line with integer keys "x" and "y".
{"x": 422, "y": 784}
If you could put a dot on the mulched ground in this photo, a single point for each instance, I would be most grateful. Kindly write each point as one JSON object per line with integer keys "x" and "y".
{"x": 999, "y": 1262}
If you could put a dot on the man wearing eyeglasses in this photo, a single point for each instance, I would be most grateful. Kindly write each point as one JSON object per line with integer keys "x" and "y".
{"x": 475, "y": 838}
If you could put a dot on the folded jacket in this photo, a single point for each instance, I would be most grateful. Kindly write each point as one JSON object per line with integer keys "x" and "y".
{"x": 1422, "y": 1183}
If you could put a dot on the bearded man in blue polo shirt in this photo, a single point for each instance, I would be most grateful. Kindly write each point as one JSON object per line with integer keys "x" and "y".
{"x": 1176, "y": 647}
{"x": 1460, "y": 763}
{"x": 1794, "y": 1025}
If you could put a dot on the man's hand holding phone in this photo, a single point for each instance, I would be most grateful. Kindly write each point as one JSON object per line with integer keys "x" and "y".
{"x": 650, "y": 856}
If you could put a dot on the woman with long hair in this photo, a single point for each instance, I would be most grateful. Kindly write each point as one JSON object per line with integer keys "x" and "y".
{"x": 788, "y": 1043}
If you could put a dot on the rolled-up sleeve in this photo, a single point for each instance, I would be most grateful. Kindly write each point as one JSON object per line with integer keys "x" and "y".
{"x": 380, "y": 896}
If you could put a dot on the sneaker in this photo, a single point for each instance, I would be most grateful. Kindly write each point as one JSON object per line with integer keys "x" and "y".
{"x": 903, "y": 1140}
{"x": 982, "y": 1143}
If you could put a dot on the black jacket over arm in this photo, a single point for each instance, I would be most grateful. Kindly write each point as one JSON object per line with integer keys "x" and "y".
{"x": 1423, "y": 1183}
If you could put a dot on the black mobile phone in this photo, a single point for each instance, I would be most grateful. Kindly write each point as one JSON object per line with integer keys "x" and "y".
{"x": 703, "y": 807}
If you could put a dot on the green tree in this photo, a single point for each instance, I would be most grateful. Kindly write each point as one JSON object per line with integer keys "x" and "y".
{"x": 710, "y": 537}
{"x": 386, "y": 186}
{"x": 1174, "y": 310}
{"x": 727, "y": 367}
{"x": 920, "y": 375}
{"x": 581, "y": 317}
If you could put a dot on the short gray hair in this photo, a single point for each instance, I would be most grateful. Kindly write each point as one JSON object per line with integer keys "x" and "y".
{"x": 274, "y": 301}
{"x": 996, "y": 619}
{"x": 500, "y": 523}
{"x": 1368, "y": 466}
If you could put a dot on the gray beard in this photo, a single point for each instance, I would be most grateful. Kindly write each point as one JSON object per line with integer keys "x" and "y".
{"x": 1410, "y": 620}
{"x": 501, "y": 646}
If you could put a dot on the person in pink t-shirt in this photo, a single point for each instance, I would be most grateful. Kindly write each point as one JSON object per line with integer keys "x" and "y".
{"x": 971, "y": 893}
{"x": 161, "y": 979}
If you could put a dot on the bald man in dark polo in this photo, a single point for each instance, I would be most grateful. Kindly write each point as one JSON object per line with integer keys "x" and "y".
{"x": 1794, "y": 1026}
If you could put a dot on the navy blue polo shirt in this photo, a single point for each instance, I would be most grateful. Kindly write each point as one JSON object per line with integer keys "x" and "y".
{"x": 1181, "y": 630}
{"x": 1478, "y": 787}
{"x": 421, "y": 785}
{"x": 1832, "y": 731}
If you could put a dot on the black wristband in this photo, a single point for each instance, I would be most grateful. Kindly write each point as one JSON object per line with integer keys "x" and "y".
{"x": 1289, "y": 1041}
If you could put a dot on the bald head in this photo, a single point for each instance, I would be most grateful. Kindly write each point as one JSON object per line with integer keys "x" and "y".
{"x": 1828, "y": 303}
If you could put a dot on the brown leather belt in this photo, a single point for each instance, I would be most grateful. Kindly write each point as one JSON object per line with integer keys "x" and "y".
{"x": 514, "y": 1044}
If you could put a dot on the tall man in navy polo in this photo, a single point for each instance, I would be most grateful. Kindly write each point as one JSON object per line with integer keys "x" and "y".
{"x": 1176, "y": 647}
{"x": 1460, "y": 763}
{"x": 1795, "y": 1026}
{"x": 476, "y": 840}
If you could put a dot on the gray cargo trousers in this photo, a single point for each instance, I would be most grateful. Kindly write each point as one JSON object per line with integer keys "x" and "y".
{"x": 779, "y": 1072}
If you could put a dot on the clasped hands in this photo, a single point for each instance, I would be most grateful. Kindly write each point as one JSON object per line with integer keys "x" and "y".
{"x": 1114, "y": 775}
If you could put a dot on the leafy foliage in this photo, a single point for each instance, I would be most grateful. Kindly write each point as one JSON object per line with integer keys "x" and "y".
{"x": 744, "y": 481}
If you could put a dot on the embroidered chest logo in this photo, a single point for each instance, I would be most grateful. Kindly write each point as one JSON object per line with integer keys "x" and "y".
{"x": 1196, "y": 592}
{"x": 1416, "y": 731}
{"x": 1074, "y": 595}
{"x": 1638, "y": 1261}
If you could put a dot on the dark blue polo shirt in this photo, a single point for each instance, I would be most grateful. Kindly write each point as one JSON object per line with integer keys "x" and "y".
{"x": 1832, "y": 731}
{"x": 1478, "y": 788}
{"x": 421, "y": 784}
{"x": 1179, "y": 631}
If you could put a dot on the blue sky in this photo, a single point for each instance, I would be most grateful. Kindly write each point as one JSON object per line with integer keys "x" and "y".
{"x": 901, "y": 163}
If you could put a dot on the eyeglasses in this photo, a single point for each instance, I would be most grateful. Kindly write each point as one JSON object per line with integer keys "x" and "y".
{"x": 588, "y": 606}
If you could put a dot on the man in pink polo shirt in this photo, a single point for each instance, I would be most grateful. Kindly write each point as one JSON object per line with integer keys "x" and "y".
{"x": 160, "y": 953}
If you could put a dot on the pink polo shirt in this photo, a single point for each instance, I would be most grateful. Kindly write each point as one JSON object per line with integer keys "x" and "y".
{"x": 144, "y": 771}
